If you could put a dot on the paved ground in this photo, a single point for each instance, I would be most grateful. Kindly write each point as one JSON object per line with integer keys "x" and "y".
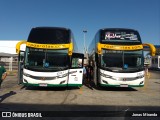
{"x": 118, "y": 100}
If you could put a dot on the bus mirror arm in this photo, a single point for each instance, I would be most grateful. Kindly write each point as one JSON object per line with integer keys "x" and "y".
{"x": 18, "y": 45}
{"x": 152, "y": 48}
{"x": 70, "y": 49}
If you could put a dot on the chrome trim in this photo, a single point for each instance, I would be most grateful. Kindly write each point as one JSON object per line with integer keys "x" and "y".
{"x": 121, "y": 79}
{"x": 45, "y": 78}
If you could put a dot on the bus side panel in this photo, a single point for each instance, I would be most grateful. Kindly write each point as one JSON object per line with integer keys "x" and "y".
{"x": 75, "y": 77}
{"x": 76, "y": 70}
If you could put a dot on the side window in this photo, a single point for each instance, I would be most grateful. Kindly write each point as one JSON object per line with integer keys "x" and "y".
{"x": 77, "y": 60}
{"x": 76, "y": 63}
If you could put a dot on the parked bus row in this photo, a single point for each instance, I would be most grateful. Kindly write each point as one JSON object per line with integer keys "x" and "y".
{"x": 51, "y": 58}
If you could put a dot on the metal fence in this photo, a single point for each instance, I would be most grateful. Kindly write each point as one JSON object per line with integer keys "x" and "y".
{"x": 10, "y": 66}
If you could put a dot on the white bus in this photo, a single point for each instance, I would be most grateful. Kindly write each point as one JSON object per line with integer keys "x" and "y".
{"x": 50, "y": 58}
{"x": 117, "y": 56}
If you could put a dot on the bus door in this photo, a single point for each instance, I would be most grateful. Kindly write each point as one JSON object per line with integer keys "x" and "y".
{"x": 76, "y": 70}
{"x": 20, "y": 66}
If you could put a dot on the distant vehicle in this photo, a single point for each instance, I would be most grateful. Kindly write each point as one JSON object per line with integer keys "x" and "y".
{"x": 155, "y": 62}
{"x": 50, "y": 58}
{"x": 118, "y": 59}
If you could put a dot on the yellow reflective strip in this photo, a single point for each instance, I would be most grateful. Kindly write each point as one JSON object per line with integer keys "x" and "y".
{"x": 48, "y": 46}
{"x": 99, "y": 48}
{"x": 70, "y": 50}
{"x": 120, "y": 47}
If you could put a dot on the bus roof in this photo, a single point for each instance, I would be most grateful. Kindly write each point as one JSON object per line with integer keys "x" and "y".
{"x": 117, "y": 29}
{"x": 62, "y": 28}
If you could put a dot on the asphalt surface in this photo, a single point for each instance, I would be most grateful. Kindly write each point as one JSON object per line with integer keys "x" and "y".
{"x": 84, "y": 102}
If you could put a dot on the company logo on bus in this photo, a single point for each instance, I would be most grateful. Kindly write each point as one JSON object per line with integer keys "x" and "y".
{"x": 116, "y": 47}
{"x": 49, "y": 46}
{"x": 124, "y": 79}
{"x": 43, "y": 78}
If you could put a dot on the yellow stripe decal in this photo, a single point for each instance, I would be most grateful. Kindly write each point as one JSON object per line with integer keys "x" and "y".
{"x": 119, "y": 47}
{"x": 48, "y": 46}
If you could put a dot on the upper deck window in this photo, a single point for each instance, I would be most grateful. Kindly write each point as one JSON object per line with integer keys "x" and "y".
{"x": 120, "y": 36}
{"x": 49, "y": 36}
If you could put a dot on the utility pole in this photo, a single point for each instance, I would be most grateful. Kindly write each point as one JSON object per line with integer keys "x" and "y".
{"x": 85, "y": 49}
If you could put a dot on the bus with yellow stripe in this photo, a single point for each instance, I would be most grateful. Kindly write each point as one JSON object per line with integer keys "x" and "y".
{"x": 117, "y": 55}
{"x": 50, "y": 58}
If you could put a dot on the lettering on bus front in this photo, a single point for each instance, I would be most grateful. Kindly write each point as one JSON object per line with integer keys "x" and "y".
{"x": 120, "y": 35}
{"x": 135, "y": 47}
{"x": 46, "y": 46}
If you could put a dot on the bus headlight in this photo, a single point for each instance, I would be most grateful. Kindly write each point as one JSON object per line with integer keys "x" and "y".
{"x": 62, "y": 75}
{"x": 59, "y": 74}
{"x": 142, "y": 76}
{"x": 26, "y": 74}
{"x": 108, "y": 76}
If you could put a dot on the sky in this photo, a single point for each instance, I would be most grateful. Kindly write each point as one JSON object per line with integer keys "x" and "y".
{"x": 17, "y": 17}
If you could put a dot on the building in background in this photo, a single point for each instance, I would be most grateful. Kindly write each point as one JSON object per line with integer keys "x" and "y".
{"x": 8, "y": 56}
{"x": 152, "y": 62}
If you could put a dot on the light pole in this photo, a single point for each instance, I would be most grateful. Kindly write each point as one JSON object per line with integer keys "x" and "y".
{"x": 85, "y": 31}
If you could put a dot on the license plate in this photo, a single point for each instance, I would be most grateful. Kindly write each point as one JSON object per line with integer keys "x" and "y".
{"x": 43, "y": 84}
{"x": 123, "y": 85}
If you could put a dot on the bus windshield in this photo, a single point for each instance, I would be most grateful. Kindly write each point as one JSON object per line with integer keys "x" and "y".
{"x": 46, "y": 59}
{"x": 122, "y": 61}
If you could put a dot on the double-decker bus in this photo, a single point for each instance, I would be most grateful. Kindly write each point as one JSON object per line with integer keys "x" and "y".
{"x": 117, "y": 55}
{"x": 50, "y": 58}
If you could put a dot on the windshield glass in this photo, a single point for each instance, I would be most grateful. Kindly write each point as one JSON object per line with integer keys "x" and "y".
{"x": 122, "y": 60}
{"x": 46, "y": 59}
{"x": 49, "y": 36}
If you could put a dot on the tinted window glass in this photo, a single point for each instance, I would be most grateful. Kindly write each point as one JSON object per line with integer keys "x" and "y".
{"x": 46, "y": 59}
{"x": 49, "y": 36}
{"x": 119, "y": 60}
{"x": 120, "y": 36}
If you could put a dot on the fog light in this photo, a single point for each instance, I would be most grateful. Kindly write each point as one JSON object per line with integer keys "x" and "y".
{"x": 62, "y": 82}
{"x": 141, "y": 82}
{"x": 25, "y": 81}
{"x": 105, "y": 81}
